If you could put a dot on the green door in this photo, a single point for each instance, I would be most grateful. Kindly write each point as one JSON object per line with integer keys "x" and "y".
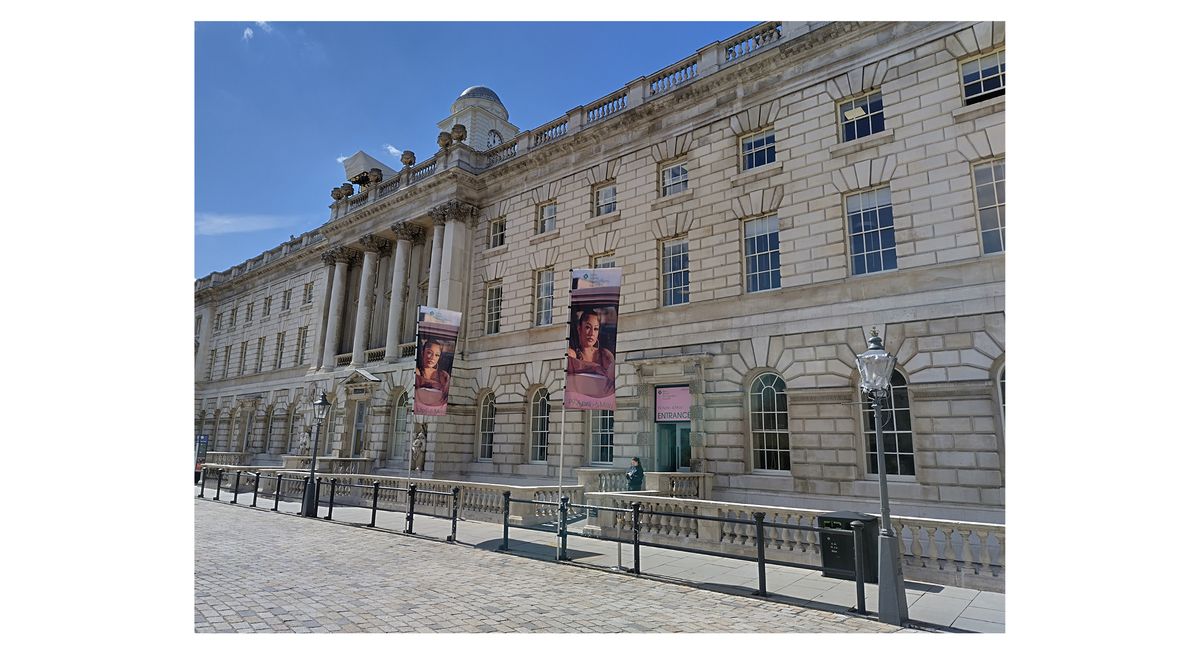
{"x": 673, "y": 446}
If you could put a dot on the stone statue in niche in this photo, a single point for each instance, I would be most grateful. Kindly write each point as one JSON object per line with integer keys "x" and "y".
{"x": 417, "y": 463}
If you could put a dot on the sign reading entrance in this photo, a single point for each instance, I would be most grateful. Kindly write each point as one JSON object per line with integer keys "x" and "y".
{"x": 672, "y": 404}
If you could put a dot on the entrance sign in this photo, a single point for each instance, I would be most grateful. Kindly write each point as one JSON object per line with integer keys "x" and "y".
{"x": 592, "y": 339}
{"x": 201, "y": 450}
{"x": 437, "y": 336}
{"x": 672, "y": 404}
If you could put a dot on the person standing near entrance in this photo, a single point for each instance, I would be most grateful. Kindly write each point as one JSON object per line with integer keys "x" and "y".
{"x": 636, "y": 475}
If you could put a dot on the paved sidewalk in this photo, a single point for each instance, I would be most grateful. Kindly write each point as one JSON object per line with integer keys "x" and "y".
{"x": 931, "y": 607}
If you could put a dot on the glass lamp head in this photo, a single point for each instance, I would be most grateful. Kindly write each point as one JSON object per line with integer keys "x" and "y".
{"x": 321, "y": 405}
{"x": 875, "y": 365}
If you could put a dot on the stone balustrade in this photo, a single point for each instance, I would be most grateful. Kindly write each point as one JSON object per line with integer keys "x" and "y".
{"x": 954, "y": 553}
{"x": 226, "y": 458}
{"x": 683, "y": 485}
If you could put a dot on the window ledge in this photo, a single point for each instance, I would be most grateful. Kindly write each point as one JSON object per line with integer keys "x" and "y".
{"x": 970, "y": 112}
{"x": 603, "y": 220}
{"x": 770, "y": 472}
{"x": 850, "y": 147}
{"x": 672, "y": 199}
{"x": 544, "y": 237}
{"x": 754, "y": 173}
{"x": 495, "y": 251}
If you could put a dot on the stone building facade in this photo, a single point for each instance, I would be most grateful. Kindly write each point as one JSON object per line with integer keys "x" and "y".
{"x": 769, "y": 200}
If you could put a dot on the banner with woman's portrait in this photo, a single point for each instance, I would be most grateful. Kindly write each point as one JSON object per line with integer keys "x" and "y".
{"x": 592, "y": 347}
{"x": 437, "y": 336}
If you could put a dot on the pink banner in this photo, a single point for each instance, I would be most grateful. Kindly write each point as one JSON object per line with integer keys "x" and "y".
{"x": 592, "y": 339}
{"x": 672, "y": 404}
{"x": 437, "y": 335}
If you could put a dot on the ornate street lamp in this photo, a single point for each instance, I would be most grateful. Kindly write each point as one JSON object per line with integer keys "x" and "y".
{"x": 321, "y": 406}
{"x": 875, "y": 379}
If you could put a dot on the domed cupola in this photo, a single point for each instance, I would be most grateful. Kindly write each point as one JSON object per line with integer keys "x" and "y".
{"x": 479, "y": 109}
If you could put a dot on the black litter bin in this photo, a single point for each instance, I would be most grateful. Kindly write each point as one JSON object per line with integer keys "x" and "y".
{"x": 837, "y": 550}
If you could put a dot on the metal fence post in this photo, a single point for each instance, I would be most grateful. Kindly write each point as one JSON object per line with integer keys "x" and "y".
{"x": 374, "y": 501}
{"x": 220, "y": 476}
{"x": 278, "y": 490}
{"x": 332, "y": 486}
{"x": 254, "y": 501}
{"x": 412, "y": 505}
{"x": 507, "y": 501}
{"x": 237, "y": 486}
{"x": 859, "y": 557}
{"x": 203, "y": 480}
{"x": 637, "y": 538}
{"x": 316, "y": 498}
{"x": 562, "y": 529}
{"x": 453, "y": 515}
{"x": 762, "y": 553}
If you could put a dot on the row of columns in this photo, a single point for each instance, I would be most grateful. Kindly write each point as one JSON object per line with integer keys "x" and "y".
{"x": 447, "y": 279}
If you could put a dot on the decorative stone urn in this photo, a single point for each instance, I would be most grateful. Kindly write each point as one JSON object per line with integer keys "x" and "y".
{"x": 458, "y": 132}
{"x": 443, "y": 140}
{"x": 375, "y": 175}
{"x": 408, "y": 158}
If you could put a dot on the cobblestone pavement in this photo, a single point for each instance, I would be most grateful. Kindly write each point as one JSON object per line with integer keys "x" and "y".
{"x": 258, "y": 571}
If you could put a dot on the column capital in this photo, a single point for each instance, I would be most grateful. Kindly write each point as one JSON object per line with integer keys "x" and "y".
{"x": 456, "y": 210}
{"x": 338, "y": 254}
{"x": 408, "y": 232}
{"x": 372, "y": 243}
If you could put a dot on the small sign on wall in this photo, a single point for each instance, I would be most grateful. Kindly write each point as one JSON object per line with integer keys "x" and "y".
{"x": 672, "y": 404}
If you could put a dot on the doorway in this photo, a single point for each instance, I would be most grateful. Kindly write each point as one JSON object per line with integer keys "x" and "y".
{"x": 674, "y": 447}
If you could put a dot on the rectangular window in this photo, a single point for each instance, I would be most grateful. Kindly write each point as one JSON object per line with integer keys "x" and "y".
{"x": 308, "y": 293}
{"x": 983, "y": 77}
{"x": 258, "y": 356}
{"x": 249, "y": 311}
{"x": 242, "y": 359}
{"x": 861, "y": 116}
{"x": 543, "y": 292}
{"x": 496, "y": 232}
{"x": 279, "y": 350}
{"x": 212, "y": 361}
{"x": 758, "y": 149}
{"x": 606, "y": 199}
{"x": 287, "y": 299}
{"x": 266, "y": 306}
{"x": 198, "y": 324}
{"x": 301, "y": 344}
{"x": 674, "y": 179}
{"x": 233, "y": 317}
{"x": 762, "y": 253}
{"x": 547, "y": 216}
{"x": 675, "y": 274}
{"x": 225, "y": 365}
{"x": 494, "y": 297}
{"x": 872, "y": 236}
{"x": 602, "y": 436}
{"x": 604, "y": 260}
{"x": 989, "y": 197}
{"x": 217, "y": 323}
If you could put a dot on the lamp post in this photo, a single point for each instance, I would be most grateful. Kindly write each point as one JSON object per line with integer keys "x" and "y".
{"x": 321, "y": 406}
{"x": 875, "y": 378}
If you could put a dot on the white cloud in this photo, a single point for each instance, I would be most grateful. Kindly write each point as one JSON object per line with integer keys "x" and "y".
{"x": 343, "y": 158}
{"x": 264, "y": 26}
{"x": 247, "y": 34}
{"x": 392, "y": 150}
{"x": 210, "y": 224}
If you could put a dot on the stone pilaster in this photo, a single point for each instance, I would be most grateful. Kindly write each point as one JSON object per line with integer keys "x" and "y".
{"x": 435, "y": 260}
{"x": 455, "y": 259}
{"x": 322, "y": 315}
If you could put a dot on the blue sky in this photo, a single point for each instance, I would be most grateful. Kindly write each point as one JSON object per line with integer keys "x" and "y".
{"x": 278, "y": 103}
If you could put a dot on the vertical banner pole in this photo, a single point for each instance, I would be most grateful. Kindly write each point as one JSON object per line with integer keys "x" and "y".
{"x": 562, "y": 426}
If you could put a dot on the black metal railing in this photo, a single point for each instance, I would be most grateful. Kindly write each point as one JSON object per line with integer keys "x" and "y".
{"x": 637, "y": 515}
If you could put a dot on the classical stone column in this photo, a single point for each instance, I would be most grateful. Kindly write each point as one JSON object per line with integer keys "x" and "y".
{"x": 435, "y": 260}
{"x": 341, "y": 256}
{"x": 406, "y": 235}
{"x": 322, "y": 315}
{"x": 455, "y": 252}
{"x": 372, "y": 245}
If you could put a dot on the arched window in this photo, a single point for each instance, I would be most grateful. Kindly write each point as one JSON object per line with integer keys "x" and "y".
{"x": 539, "y": 425}
{"x": 769, "y": 442}
{"x": 399, "y": 428}
{"x": 296, "y": 433}
{"x": 487, "y": 426}
{"x": 1000, "y": 390}
{"x": 897, "y": 431}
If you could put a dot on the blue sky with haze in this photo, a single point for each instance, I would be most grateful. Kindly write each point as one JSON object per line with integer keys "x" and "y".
{"x": 277, "y": 104}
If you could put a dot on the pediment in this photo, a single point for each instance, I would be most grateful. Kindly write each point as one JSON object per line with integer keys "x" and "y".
{"x": 359, "y": 376}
